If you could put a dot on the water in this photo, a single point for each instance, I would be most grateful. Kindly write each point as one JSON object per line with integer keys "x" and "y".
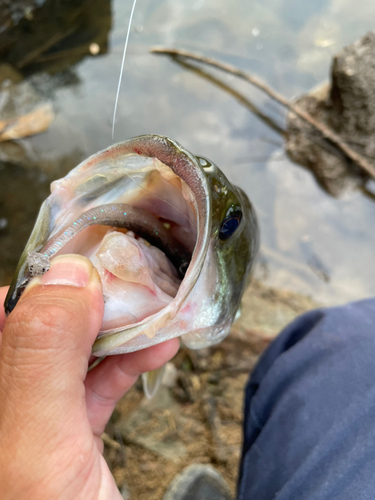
{"x": 311, "y": 243}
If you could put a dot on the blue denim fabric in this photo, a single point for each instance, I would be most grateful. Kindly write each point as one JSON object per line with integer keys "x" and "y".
{"x": 309, "y": 424}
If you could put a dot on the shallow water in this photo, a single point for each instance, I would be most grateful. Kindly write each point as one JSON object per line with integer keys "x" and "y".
{"x": 311, "y": 242}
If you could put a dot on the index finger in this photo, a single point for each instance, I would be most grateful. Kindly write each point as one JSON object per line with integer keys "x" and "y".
{"x": 3, "y": 292}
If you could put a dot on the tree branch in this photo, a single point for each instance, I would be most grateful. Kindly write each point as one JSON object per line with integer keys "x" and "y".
{"x": 327, "y": 132}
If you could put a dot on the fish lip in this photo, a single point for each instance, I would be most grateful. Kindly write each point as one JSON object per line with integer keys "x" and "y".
{"x": 183, "y": 164}
{"x": 21, "y": 278}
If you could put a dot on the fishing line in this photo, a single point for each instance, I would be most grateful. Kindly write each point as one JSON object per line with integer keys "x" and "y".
{"x": 122, "y": 70}
{"x": 115, "y": 112}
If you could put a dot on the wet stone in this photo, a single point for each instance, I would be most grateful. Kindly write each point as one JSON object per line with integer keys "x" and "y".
{"x": 353, "y": 87}
{"x": 160, "y": 436}
{"x": 23, "y": 112}
{"x": 346, "y": 105}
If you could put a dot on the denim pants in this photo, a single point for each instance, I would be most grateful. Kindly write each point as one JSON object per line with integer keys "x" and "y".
{"x": 309, "y": 423}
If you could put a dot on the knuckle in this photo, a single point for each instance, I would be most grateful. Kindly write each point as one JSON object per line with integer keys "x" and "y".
{"x": 45, "y": 315}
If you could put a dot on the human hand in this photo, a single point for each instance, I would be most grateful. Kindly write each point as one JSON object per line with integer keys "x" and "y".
{"x": 52, "y": 413}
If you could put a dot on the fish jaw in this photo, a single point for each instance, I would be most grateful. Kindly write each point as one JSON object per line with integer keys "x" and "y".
{"x": 198, "y": 312}
{"x": 205, "y": 316}
{"x": 203, "y": 319}
{"x": 137, "y": 279}
{"x": 191, "y": 310}
{"x": 209, "y": 295}
{"x": 208, "y": 309}
{"x": 92, "y": 182}
{"x": 36, "y": 240}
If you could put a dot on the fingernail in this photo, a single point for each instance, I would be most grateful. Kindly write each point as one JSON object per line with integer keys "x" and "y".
{"x": 69, "y": 270}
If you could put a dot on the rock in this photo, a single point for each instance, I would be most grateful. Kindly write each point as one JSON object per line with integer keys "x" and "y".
{"x": 170, "y": 375}
{"x": 160, "y": 437}
{"x": 306, "y": 146}
{"x": 346, "y": 105}
{"x": 22, "y": 111}
{"x": 35, "y": 122}
{"x": 353, "y": 87}
{"x": 125, "y": 492}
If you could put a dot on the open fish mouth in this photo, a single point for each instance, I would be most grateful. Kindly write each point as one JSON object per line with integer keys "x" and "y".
{"x": 140, "y": 243}
{"x": 139, "y": 211}
{"x": 172, "y": 240}
{"x": 136, "y": 223}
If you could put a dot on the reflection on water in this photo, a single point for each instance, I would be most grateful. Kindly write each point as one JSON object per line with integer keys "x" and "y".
{"x": 241, "y": 98}
{"x": 310, "y": 242}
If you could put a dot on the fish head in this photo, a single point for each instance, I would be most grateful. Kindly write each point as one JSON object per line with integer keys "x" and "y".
{"x": 233, "y": 247}
{"x": 147, "y": 299}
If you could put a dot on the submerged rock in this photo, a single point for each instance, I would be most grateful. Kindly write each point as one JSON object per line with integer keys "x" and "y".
{"x": 346, "y": 105}
{"x": 22, "y": 111}
{"x": 353, "y": 88}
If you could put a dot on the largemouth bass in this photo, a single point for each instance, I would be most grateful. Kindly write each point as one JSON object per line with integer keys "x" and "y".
{"x": 173, "y": 241}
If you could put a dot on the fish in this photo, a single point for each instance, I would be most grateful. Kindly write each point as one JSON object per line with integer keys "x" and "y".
{"x": 173, "y": 240}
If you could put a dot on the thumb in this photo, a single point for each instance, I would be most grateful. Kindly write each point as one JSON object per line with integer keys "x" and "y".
{"x": 47, "y": 339}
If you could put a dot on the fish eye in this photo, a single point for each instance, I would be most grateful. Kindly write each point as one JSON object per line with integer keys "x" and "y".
{"x": 206, "y": 164}
{"x": 230, "y": 224}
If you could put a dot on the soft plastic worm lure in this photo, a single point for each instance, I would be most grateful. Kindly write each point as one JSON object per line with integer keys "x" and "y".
{"x": 119, "y": 215}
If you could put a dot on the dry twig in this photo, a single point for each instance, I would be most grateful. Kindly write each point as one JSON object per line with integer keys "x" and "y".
{"x": 327, "y": 133}
{"x": 110, "y": 442}
{"x": 209, "y": 407}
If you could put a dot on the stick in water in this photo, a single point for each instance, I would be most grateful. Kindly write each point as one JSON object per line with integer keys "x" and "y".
{"x": 327, "y": 132}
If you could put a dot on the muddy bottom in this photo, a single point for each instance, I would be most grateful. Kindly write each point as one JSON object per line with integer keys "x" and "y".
{"x": 198, "y": 419}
